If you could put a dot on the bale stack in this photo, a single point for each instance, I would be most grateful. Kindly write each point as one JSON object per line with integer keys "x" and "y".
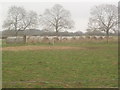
{"x": 45, "y": 39}
{"x": 56, "y": 39}
{"x": 88, "y": 37}
{"x": 40, "y": 39}
{"x": 94, "y": 38}
{"x": 14, "y": 40}
{"x": 101, "y": 38}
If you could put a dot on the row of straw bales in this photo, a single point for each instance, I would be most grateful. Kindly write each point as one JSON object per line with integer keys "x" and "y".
{"x": 52, "y": 39}
{"x": 12, "y": 40}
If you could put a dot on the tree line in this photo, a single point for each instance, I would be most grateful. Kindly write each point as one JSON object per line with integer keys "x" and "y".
{"x": 103, "y": 18}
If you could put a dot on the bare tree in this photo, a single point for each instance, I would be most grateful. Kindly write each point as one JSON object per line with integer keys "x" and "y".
{"x": 30, "y": 21}
{"x": 19, "y": 19}
{"x": 104, "y": 18}
{"x": 57, "y": 18}
{"x": 119, "y": 18}
{"x": 14, "y": 18}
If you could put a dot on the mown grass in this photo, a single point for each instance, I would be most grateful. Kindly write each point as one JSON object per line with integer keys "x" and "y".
{"x": 91, "y": 68}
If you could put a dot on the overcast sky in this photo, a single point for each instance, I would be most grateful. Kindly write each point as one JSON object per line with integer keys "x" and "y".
{"x": 80, "y": 9}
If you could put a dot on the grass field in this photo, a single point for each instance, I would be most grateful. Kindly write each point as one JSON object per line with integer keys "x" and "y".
{"x": 94, "y": 66}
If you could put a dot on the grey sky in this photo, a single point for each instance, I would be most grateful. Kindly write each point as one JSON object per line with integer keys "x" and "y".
{"x": 80, "y": 11}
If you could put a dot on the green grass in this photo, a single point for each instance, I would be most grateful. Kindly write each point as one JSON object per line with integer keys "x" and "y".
{"x": 62, "y": 68}
{"x": 91, "y": 43}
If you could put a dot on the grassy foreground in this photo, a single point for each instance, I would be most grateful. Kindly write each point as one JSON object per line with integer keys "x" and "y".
{"x": 94, "y": 67}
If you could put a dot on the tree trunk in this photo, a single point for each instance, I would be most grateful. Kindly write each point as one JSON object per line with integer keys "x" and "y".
{"x": 16, "y": 36}
{"x": 56, "y": 28}
{"x": 57, "y": 34}
{"x": 107, "y": 32}
{"x": 24, "y": 38}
